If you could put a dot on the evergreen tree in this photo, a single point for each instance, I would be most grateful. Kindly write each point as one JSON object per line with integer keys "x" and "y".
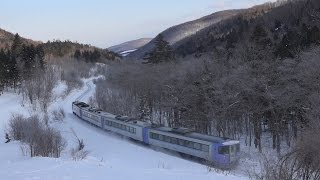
{"x": 13, "y": 71}
{"x": 314, "y": 35}
{"x": 2, "y": 69}
{"x": 40, "y": 55}
{"x": 95, "y": 55}
{"x": 161, "y": 53}
{"x": 16, "y": 47}
{"x": 77, "y": 54}
{"x": 28, "y": 56}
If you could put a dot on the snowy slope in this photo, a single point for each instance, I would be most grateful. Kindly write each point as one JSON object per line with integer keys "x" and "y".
{"x": 135, "y": 44}
{"x": 111, "y": 157}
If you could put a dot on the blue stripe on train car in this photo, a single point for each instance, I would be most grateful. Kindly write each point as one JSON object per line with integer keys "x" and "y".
{"x": 145, "y": 132}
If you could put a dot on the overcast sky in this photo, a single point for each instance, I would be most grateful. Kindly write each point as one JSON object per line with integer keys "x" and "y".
{"x": 104, "y": 22}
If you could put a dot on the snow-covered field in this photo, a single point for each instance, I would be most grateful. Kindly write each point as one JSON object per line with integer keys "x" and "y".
{"x": 111, "y": 157}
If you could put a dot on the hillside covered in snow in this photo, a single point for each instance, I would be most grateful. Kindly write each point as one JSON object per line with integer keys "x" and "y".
{"x": 110, "y": 156}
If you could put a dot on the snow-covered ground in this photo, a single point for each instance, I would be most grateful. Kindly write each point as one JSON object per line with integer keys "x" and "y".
{"x": 111, "y": 157}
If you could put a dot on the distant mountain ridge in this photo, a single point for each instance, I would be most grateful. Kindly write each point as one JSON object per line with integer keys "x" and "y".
{"x": 179, "y": 32}
{"x": 6, "y": 39}
{"x": 130, "y": 45}
{"x": 55, "y": 48}
{"x": 177, "y": 35}
{"x": 282, "y": 29}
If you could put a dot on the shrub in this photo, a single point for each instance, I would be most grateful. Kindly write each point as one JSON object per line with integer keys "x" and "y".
{"x": 58, "y": 115}
{"x": 78, "y": 153}
{"x": 37, "y": 138}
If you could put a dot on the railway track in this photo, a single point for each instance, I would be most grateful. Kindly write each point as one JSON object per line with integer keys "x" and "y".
{"x": 89, "y": 88}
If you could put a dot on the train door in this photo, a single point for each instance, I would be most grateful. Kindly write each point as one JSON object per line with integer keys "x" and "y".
{"x": 80, "y": 112}
{"x": 232, "y": 153}
{"x": 102, "y": 122}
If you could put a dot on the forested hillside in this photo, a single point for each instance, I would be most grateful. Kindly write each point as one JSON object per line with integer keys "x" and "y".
{"x": 280, "y": 32}
{"x": 181, "y": 31}
{"x": 31, "y": 69}
{"x": 59, "y": 49}
{"x": 68, "y": 49}
{"x": 254, "y": 77}
{"x": 7, "y": 38}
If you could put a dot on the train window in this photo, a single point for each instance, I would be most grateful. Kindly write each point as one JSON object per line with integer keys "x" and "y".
{"x": 189, "y": 144}
{"x": 167, "y": 139}
{"x": 174, "y": 140}
{"x": 223, "y": 150}
{"x": 155, "y": 136}
{"x": 205, "y": 148}
{"x": 238, "y": 147}
{"x": 232, "y": 149}
{"x": 181, "y": 142}
{"x": 161, "y": 137}
{"x": 197, "y": 146}
{"x": 132, "y": 130}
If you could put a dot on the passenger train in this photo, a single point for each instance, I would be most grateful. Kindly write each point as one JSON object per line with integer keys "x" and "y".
{"x": 222, "y": 152}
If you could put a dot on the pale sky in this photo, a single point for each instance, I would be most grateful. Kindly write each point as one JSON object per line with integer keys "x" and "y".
{"x": 104, "y": 23}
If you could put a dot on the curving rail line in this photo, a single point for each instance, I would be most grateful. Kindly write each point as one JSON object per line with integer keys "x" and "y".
{"x": 89, "y": 88}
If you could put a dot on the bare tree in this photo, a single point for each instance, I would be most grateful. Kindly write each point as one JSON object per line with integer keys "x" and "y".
{"x": 38, "y": 139}
{"x": 79, "y": 153}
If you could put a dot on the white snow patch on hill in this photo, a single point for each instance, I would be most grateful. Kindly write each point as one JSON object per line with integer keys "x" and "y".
{"x": 126, "y": 53}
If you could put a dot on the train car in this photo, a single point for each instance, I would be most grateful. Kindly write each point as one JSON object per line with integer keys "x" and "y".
{"x": 175, "y": 140}
{"x": 127, "y": 127}
{"x": 223, "y": 152}
{"x": 76, "y": 107}
{"x": 87, "y": 113}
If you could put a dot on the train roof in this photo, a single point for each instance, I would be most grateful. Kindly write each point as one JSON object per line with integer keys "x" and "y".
{"x": 124, "y": 119}
{"x": 179, "y": 131}
{"x": 189, "y": 133}
{"x": 204, "y": 137}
